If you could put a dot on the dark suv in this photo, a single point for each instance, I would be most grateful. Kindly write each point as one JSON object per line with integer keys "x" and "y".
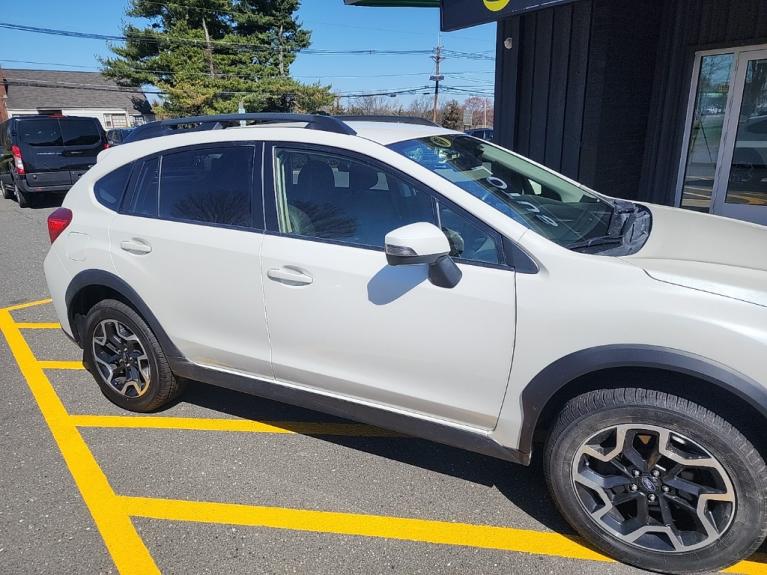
{"x": 40, "y": 154}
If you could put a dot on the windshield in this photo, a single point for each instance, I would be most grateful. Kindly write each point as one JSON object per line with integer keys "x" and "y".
{"x": 538, "y": 199}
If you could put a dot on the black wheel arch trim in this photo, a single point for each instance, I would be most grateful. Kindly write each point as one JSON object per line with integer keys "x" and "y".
{"x": 542, "y": 388}
{"x": 101, "y": 278}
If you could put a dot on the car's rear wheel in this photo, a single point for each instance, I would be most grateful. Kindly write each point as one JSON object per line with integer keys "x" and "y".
{"x": 21, "y": 197}
{"x": 657, "y": 481}
{"x": 125, "y": 358}
{"x": 7, "y": 191}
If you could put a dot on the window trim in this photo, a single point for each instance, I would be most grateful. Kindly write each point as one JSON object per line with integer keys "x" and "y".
{"x": 257, "y": 217}
{"x": 272, "y": 220}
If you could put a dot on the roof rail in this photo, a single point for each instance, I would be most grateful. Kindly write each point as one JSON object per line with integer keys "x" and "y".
{"x": 216, "y": 122}
{"x": 383, "y": 118}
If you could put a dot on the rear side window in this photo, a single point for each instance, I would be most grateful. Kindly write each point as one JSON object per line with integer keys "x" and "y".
{"x": 80, "y": 132}
{"x": 144, "y": 201}
{"x": 40, "y": 133}
{"x": 208, "y": 185}
{"x": 110, "y": 188}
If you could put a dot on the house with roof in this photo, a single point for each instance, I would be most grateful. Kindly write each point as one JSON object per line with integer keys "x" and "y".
{"x": 24, "y": 92}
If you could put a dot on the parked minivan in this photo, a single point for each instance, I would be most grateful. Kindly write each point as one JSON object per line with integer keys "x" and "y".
{"x": 46, "y": 154}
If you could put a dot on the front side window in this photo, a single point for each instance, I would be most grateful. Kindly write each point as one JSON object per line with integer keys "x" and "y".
{"x": 210, "y": 185}
{"x": 538, "y": 199}
{"x": 332, "y": 197}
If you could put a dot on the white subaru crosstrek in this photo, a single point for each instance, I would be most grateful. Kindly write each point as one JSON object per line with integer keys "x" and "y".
{"x": 426, "y": 281}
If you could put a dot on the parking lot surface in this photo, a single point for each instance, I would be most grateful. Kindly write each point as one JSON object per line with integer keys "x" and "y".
{"x": 227, "y": 483}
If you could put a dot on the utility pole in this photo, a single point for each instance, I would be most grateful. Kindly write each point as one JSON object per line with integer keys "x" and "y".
{"x": 279, "y": 45}
{"x": 208, "y": 49}
{"x": 437, "y": 57}
{"x": 484, "y": 123}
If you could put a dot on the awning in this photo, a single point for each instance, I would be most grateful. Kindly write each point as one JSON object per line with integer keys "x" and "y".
{"x": 457, "y": 14}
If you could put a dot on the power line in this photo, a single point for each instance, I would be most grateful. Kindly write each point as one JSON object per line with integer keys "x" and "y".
{"x": 250, "y": 46}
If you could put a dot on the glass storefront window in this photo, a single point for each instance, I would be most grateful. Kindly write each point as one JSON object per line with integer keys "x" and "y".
{"x": 748, "y": 175}
{"x": 706, "y": 131}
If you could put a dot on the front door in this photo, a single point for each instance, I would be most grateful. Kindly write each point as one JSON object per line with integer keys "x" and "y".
{"x": 341, "y": 321}
{"x": 725, "y": 167}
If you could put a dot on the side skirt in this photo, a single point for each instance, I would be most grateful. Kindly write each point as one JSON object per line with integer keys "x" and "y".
{"x": 398, "y": 422}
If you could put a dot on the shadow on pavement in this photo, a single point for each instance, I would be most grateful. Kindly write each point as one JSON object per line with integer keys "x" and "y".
{"x": 523, "y": 486}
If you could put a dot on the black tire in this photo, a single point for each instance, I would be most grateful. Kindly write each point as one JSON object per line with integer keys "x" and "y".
{"x": 584, "y": 418}
{"x": 162, "y": 386}
{"x": 7, "y": 191}
{"x": 22, "y": 198}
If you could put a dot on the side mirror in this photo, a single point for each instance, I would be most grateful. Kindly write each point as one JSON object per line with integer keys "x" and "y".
{"x": 423, "y": 243}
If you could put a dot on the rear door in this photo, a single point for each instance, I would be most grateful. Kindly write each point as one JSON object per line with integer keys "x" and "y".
{"x": 83, "y": 139}
{"x": 188, "y": 241}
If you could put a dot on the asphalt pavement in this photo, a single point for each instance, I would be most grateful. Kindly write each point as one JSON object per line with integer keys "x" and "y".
{"x": 222, "y": 482}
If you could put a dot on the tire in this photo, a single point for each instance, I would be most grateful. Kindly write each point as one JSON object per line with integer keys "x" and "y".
{"x": 595, "y": 422}
{"x": 22, "y": 198}
{"x": 7, "y": 191}
{"x": 152, "y": 383}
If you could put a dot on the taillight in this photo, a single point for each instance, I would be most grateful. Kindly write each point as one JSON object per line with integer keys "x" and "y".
{"x": 18, "y": 162}
{"x": 58, "y": 222}
{"x": 106, "y": 145}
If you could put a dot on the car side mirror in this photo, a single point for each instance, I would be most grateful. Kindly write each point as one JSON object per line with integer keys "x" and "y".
{"x": 423, "y": 243}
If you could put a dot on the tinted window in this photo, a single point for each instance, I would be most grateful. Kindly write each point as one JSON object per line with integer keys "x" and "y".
{"x": 109, "y": 189}
{"x": 332, "y": 197}
{"x": 208, "y": 185}
{"x": 80, "y": 132}
{"x": 469, "y": 240}
{"x": 144, "y": 202}
{"x": 40, "y": 132}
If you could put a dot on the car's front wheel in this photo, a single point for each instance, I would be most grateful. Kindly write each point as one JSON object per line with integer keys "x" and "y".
{"x": 125, "y": 358}
{"x": 657, "y": 481}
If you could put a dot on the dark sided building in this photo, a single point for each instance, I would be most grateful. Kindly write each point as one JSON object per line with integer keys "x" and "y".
{"x": 654, "y": 100}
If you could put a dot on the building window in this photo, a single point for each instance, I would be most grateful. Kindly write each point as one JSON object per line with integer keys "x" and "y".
{"x": 115, "y": 121}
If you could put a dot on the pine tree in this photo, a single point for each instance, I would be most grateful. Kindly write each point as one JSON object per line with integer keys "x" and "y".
{"x": 452, "y": 116}
{"x": 208, "y": 55}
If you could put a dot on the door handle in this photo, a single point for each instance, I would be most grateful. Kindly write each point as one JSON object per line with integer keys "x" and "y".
{"x": 290, "y": 276}
{"x": 136, "y": 246}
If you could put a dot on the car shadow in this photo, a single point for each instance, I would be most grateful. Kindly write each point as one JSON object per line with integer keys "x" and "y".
{"x": 523, "y": 486}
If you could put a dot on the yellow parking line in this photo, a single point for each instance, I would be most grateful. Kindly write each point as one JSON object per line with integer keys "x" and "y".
{"x": 60, "y": 364}
{"x": 402, "y": 528}
{"x": 38, "y": 325}
{"x": 238, "y": 425}
{"x": 26, "y": 305}
{"x": 127, "y": 549}
{"x": 407, "y": 529}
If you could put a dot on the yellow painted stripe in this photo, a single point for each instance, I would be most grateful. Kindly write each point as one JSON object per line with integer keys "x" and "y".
{"x": 239, "y": 425}
{"x": 27, "y": 304}
{"x": 60, "y": 364}
{"x": 442, "y": 532}
{"x": 756, "y": 565}
{"x": 127, "y": 549}
{"x": 39, "y": 325}
{"x": 401, "y": 528}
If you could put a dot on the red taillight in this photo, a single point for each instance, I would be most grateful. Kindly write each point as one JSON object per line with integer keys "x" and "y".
{"x": 18, "y": 162}
{"x": 58, "y": 222}
{"x": 106, "y": 145}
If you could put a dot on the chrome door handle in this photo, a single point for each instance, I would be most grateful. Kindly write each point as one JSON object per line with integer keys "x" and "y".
{"x": 136, "y": 246}
{"x": 290, "y": 276}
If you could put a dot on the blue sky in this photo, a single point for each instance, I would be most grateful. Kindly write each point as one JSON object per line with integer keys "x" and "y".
{"x": 333, "y": 26}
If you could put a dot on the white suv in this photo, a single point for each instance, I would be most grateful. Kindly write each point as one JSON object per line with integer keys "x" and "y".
{"x": 419, "y": 279}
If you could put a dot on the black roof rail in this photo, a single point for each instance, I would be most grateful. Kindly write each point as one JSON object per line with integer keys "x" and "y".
{"x": 396, "y": 119}
{"x": 215, "y": 122}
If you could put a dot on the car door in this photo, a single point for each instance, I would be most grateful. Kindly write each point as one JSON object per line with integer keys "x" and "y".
{"x": 188, "y": 240}
{"x": 341, "y": 321}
